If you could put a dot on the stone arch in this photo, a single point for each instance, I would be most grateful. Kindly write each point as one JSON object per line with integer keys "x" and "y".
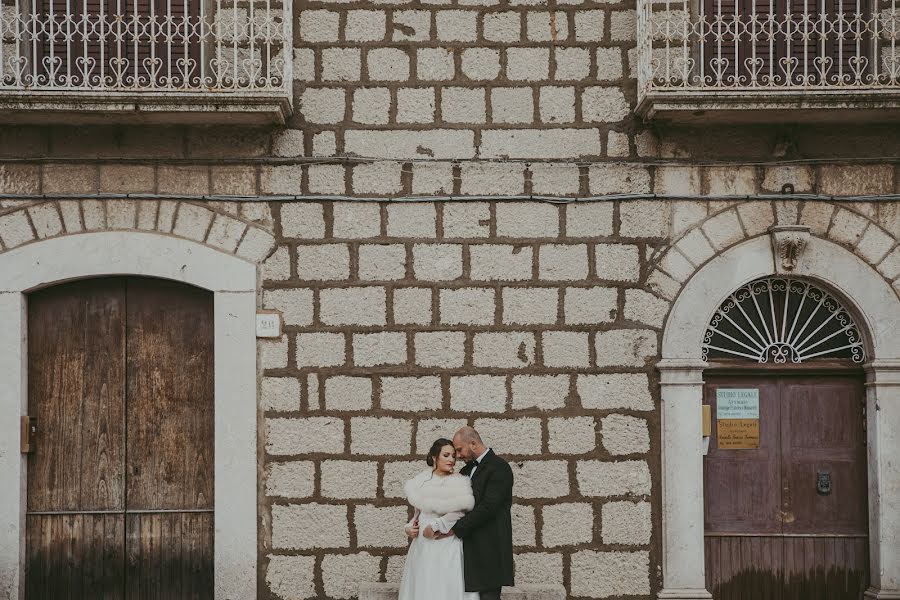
{"x": 232, "y": 279}
{"x": 209, "y": 224}
{"x": 702, "y": 237}
{"x": 681, "y": 379}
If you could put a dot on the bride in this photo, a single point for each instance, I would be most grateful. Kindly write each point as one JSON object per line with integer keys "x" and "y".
{"x": 434, "y": 568}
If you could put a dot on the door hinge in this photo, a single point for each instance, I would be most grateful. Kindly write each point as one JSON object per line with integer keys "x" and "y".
{"x": 29, "y": 434}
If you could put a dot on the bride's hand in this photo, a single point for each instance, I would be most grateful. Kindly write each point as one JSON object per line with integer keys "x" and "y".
{"x": 412, "y": 532}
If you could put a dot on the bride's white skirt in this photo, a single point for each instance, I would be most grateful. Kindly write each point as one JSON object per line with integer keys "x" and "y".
{"x": 434, "y": 569}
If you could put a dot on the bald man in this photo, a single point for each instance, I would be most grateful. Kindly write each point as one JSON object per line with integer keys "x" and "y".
{"x": 486, "y": 531}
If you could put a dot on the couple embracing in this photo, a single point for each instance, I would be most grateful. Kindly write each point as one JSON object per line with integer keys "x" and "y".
{"x": 461, "y": 528}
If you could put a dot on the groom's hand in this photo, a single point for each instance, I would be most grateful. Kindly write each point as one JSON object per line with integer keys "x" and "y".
{"x": 429, "y": 533}
{"x": 440, "y": 536}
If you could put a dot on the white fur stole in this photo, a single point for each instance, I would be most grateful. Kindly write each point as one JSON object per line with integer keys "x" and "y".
{"x": 440, "y": 495}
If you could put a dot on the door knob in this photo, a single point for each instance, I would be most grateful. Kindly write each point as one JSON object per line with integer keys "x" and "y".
{"x": 823, "y": 483}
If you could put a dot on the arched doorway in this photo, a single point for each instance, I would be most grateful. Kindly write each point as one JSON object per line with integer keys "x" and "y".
{"x": 784, "y": 473}
{"x": 682, "y": 387}
{"x": 120, "y": 474}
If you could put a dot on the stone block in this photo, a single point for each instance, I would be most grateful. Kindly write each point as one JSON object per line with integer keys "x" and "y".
{"x": 481, "y": 64}
{"x": 541, "y": 479}
{"x": 293, "y": 479}
{"x": 411, "y": 394}
{"x": 382, "y": 262}
{"x": 232, "y": 180}
{"x": 544, "y": 143}
{"x": 557, "y": 104}
{"x": 388, "y": 64}
{"x": 874, "y": 244}
{"x": 627, "y": 523}
{"x": 342, "y": 573}
{"x": 512, "y": 105}
{"x": 625, "y": 347}
{"x": 589, "y": 25}
{"x": 539, "y": 568}
{"x": 321, "y": 350}
{"x": 604, "y": 105}
{"x": 518, "y": 436}
{"x": 371, "y": 106}
{"x": 620, "y": 179}
{"x": 512, "y": 350}
{"x": 456, "y": 25}
{"x": 341, "y": 64}
{"x": 492, "y": 179}
{"x": 696, "y": 248}
{"x": 412, "y": 220}
{"x": 847, "y": 227}
{"x": 544, "y": 26}
{"x": 463, "y": 105}
{"x": 817, "y": 215}
{"x": 567, "y": 524}
{"x": 71, "y": 216}
{"x": 575, "y": 435}
{"x": 466, "y": 219}
{"x": 46, "y": 220}
{"x": 500, "y": 262}
{"x": 678, "y": 181}
{"x": 57, "y": 179}
{"x": 617, "y": 262}
{"x": 365, "y": 26}
{"x": 585, "y": 306}
{"x": 609, "y": 68}
{"x": 856, "y": 180}
{"x": 280, "y": 393}
{"x": 304, "y": 436}
{"x": 325, "y": 106}
{"x": 523, "y": 525}
{"x": 355, "y": 220}
{"x": 323, "y": 262}
{"x": 382, "y": 178}
{"x": 563, "y": 262}
{"x": 644, "y": 219}
{"x": 731, "y": 181}
{"x": 377, "y": 349}
{"x": 353, "y": 306}
{"x": 291, "y": 577}
{"x": 723, "y": 230}
{"x": 416, "y": 105}
{"x": 503, "y": 26}
{"x": 191, "y": 222}
{"x": 589, "y": 219}
{"x": 478, "y": 393}
{"x": 440, "y": 349}
{"x": 295, "y": 305}
{"x": 319, "y": 25}
{"x": 527, "y": 220}
{"x": 572, "y": 64}
{"x": 437, "y": 262}
{"x": 192, "y": 179}
{"x": 801, "y": 177}
{"x": 434, "y": 64}
{"x": 625, "y": 435}
{"x": 645, "y": 308}
{"x": 606, "y": 574}
{"x": 687, "y": 214}
{"x": 349, "y": 479}
{"x": 348, "y": 393}
{"x": 556, "y": 179}
{"x": 302, "y": 220}
{"x": 615, "y": 390}
{"x": 273, "y": 354}
{"x": 412, "y": 306}
{"x": 529, "y": 306}
{"x": 527, "y": 64}
{"x": 602, "y": 478}
{"x": 467, "y": 306}
{"x": 376, "y": 526}
{"x": 378, "y": 436}
{"x": 126, "y": 179}
{"x": 566, "y": 349}
{"x": 225, "y": 233}
{"x": 307, "y": 526}
{"x": 546, "y": 392}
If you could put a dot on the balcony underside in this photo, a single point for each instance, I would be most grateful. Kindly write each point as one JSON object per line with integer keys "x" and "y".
{"x": 47, "y": 107}
{"x": 770, "y": 106}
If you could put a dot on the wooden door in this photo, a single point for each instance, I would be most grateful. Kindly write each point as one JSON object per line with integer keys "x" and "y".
{"x": 119, "y": 496}
{"x": 773, "y": 530}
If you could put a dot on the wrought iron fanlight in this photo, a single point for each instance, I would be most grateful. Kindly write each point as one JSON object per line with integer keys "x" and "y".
{"x": 782, "y": 320}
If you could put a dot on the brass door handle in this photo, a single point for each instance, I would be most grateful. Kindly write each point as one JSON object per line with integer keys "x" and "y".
{"x": 29, "y": 434}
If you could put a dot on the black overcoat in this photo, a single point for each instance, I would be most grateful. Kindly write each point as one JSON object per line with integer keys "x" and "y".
{"x": 486, "y": 530}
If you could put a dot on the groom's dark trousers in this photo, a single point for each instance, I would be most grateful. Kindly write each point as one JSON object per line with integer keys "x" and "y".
{"x": 486, "y": 530}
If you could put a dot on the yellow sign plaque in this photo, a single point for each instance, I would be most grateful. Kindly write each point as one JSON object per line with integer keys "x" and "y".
{"x": 737, "y": 434}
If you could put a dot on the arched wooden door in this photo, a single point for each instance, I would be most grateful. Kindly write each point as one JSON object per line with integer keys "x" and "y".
{"x": 120, "y": 483}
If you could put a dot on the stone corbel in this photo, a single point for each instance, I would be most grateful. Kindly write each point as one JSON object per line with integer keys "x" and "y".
{"x": 788, "y": 244}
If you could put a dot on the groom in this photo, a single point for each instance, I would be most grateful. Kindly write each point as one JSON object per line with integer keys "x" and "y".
{"x": 486, "y": 531}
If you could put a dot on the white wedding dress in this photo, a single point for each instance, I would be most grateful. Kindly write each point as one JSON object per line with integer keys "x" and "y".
{"x": 434, "y": 568}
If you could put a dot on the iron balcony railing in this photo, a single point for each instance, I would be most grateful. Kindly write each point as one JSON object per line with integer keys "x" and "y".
{"x": 772, "y": 45}
{"x": 179, "y": 46}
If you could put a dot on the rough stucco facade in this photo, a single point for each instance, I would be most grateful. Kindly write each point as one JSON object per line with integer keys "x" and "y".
{"x": 538, "y": 322}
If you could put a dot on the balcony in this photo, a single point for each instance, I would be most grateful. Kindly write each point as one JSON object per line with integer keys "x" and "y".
{"x": 145, "y": 61}
{"x": 741, "y": 61}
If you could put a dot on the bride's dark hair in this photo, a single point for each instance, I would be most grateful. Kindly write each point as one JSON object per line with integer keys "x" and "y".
{"x": 436, "y": 448}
